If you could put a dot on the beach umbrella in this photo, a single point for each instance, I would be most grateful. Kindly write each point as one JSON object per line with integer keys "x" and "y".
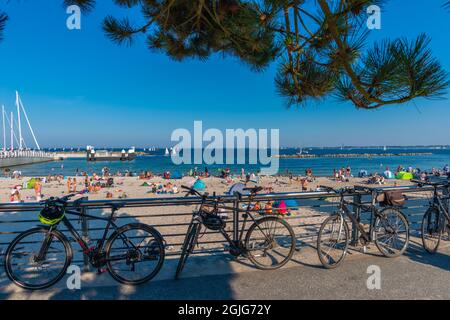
{"x": 31, "y": 183}
{"x": 238, "y": 187}
{"x": 199, "y": 185}
{"x": 403, "y": 175}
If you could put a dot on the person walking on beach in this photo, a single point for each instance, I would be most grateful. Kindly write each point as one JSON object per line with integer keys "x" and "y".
{"x": 38, "y": 189}
{"x": 69, "y": 185}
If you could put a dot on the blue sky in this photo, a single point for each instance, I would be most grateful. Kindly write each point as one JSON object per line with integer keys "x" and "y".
{"x": 79, "y": 88}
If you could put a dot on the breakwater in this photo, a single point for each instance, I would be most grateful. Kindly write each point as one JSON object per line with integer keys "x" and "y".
{"x": 354, "y": 155}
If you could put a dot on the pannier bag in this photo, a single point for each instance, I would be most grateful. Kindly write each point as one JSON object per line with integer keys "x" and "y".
{"x": 391, "y": 198}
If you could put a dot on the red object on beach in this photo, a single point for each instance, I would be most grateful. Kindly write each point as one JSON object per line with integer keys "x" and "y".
{"x": 282, "y": 208}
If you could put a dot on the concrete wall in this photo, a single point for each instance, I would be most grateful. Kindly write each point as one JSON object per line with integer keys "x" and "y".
{"x": 20, "y": 161}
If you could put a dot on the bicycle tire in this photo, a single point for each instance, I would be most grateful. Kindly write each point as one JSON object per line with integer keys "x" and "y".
{"x": 158, "y": 240}
{"x": 389, "y": 252}
{"x": 10, "y": 272}
{"x": 431, "y": 213}
{"x": 188, "y": 246}
{"x": 254, "y": 227}
{"x": 320, "y": 236}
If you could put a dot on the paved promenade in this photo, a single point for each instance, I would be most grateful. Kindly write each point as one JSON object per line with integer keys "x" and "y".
{"x": 417, "y": 275}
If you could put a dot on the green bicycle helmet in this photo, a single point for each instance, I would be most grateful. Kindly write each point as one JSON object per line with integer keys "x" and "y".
{"x": 51, "y": 215}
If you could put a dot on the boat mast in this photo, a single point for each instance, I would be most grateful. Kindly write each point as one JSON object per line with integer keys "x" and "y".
{"x": 28, "y": 121}
{"x": 12, "y": 131}
{"x": 18, "y": 120}
{"x": 4, "y": 128}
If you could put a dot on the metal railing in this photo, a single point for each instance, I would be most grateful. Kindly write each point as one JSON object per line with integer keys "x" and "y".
{"x": 25, "y": 153}
{"x": 306, "y": 217}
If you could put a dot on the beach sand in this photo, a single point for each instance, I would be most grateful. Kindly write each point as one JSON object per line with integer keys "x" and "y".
{"x": 132, "y": 186}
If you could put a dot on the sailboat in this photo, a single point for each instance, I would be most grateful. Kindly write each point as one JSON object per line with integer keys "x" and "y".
{"x": 384, "y": 149}
{"x": 174, "y": 151}
{"x": 167, "y": 152}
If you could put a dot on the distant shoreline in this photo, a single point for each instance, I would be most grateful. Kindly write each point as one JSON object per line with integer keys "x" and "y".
{"x": 353, "y": 155}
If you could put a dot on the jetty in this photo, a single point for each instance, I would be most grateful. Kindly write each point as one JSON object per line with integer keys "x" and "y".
{"x": 18, "y": 153}
{"x": 353, "y": 155}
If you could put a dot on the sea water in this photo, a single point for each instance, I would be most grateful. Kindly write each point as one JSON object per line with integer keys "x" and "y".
{"x": 321, "y": 166}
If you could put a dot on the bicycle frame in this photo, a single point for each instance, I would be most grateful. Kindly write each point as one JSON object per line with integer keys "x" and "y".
{"x": 238, "y": 233}
{"x": 439, "y": 204}
{"x": 79, "y": 239}
{"x": 374, "y": 212}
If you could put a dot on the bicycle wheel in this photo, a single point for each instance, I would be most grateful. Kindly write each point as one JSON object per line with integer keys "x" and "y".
{"x": 391, "y": 232}
{"x": 432, "y": 226}
{"x": 37, "y": 259}
{"x": 188, "y": 245}
{"x": 270, "y": 243}
{"x": 333, "y": 241}
{"x": 134, "y": 253}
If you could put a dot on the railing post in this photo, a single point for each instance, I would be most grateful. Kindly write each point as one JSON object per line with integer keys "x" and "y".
{"x": 357, "y": 212}
{"x": 85, "y": 234}
{"x": 236, "y": 218}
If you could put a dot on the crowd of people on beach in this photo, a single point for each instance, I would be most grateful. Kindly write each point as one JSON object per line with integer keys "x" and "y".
{"x": 82, "y": 182}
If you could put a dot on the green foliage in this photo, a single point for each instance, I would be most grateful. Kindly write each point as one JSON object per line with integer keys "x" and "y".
{"x": 320, "y": 46}
{"x": 85, "y": 5}
{"x": 3, "y": 19}
{"x": 447, "y": 5}
{"x": 320, "y": 53}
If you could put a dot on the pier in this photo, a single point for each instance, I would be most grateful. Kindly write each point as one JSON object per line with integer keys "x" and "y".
{"x": 19, "y": 158}
{"x": 23, "y": 155}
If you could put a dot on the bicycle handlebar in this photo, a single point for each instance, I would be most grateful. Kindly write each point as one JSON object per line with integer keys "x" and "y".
{"x": 338, "y": 191}
{"x": 61, "y": 200}
{"x": 444, "y": 183}
{"x": 192, "y": 191}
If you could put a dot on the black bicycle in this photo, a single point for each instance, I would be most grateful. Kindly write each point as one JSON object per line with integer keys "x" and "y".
{"x": 269, "y": 242}
{"x": 389, "y": 230}
{"x": 38, "y": 258}
{"x": 437, "y": 217}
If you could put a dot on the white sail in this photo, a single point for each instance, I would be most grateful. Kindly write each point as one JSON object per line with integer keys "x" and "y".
{"x": 167, "y": 152}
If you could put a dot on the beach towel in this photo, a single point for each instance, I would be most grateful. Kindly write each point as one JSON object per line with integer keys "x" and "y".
{"x": 145, "y": 184}
{"x": 176, "y": 175}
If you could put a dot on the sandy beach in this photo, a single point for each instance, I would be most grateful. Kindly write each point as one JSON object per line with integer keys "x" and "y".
{"x": 132, "y": 187}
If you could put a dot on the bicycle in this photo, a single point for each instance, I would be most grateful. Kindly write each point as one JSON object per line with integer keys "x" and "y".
{"x": 389, "y": 230}
{"x": 263, "y": 243}
{"x": 437, "y": 217}
{"x": 38, "y": 258}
